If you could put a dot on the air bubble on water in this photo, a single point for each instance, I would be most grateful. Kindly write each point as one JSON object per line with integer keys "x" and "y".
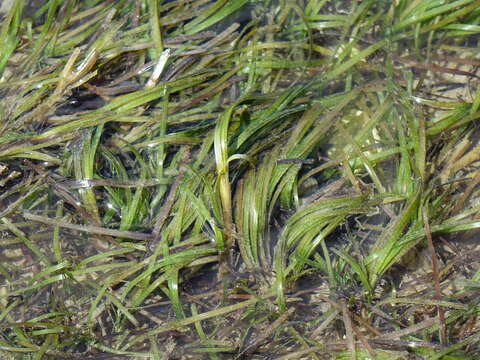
{"x": 84, "y": 183}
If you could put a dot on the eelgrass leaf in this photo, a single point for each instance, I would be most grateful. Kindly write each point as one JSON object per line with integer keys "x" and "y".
{"x": 8, "y": 32}
{"x": 423, "y": 13}
{"x": 389, "y": 246}
{"x": 218, "y": 11}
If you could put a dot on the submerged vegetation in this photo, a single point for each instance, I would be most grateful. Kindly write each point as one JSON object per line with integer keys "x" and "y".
{"x": 239, "y": 179}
